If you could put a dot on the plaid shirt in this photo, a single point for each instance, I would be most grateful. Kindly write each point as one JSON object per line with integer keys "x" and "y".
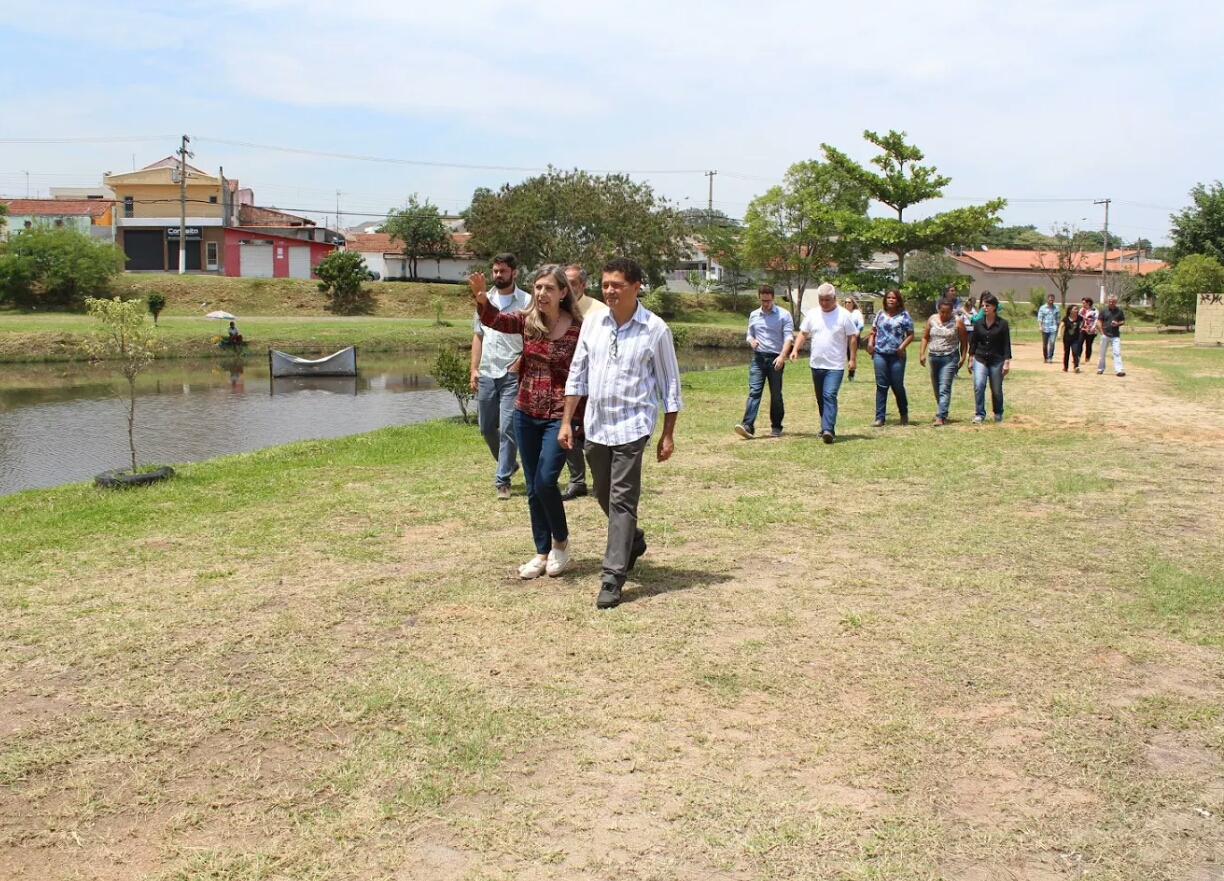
{"x": 624, "y": 371}
{"x": 1047, "y": 317}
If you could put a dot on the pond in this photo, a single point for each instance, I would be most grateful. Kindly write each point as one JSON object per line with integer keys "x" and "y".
{"x": 65, "y": 422}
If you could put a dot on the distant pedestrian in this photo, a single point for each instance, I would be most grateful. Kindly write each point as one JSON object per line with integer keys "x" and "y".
{"x": 1072, "y": 325}
{"x": 1111, "y": 320}
{"x": 549, "y": 329}
{"x": 834, "y": 337}
{"x": 990, "y": 349}
{"x": 575, "y": 458}
{"x": 625, "y": 361}
{"x": 495, "y": 364}
{"x": 891, "y": 334}
{"x": 1048, "y": 318}
{"x": 771, "y": 333}
{"x": 946, "y": 343}
{"x": 968, "y": 313}
{"x": 1091, "y": 326}
{"x": 856, "y": 313}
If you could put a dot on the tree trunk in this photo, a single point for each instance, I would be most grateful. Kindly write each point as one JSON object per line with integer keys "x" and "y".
{"x": 132, "y": 421}
{"x": 900, "y": 267}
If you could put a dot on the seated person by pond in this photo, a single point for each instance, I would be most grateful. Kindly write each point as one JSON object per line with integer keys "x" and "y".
{"x": 232, "y": 338}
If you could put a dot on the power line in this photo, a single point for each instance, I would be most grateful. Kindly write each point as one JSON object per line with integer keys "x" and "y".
{"x": 102, "y": 140}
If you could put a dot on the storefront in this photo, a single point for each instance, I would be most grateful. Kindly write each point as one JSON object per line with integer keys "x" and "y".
{"x": 250, "y": 254}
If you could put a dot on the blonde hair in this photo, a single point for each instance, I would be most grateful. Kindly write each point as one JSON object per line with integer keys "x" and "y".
{"x": 533, "y": 324}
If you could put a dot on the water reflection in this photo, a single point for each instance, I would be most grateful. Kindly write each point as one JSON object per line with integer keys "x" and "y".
{"x": 62, "y": 423}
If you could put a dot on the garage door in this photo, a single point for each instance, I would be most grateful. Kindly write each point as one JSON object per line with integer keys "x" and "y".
{"x": 299, "y": 262}
{"x": 256, "y": 260}
{"x": 145, "y": 249}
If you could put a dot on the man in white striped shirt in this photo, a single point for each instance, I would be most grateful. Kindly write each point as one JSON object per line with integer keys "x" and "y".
{"x": 624, "y": 363}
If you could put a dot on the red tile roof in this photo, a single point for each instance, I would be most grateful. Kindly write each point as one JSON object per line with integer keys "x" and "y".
{"x": 1007, "y": 260}
{"x": 58, "y": 207}
{"x": 381, "y": 243}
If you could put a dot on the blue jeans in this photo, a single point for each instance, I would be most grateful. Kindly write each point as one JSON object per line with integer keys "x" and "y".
{"x": 943, "y": 371}
{"x": 495, "y": 415}
{"x": 1047, "y": 344}
{"x": 1114, "y": 345}
{"x": 543, "y": 459}
{"x": 762, "y": 369}
{"x": 828, "y": 384}
{"x": 890, "y": 374}
{"x": 982, "y": 373}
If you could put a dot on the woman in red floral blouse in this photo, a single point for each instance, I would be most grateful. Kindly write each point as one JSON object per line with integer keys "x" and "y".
{"x": 550, "y": 331}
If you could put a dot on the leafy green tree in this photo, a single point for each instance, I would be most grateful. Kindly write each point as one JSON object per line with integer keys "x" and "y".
{"x": 808, "y": 229}
{"x": 420, "y": 230}
{"x": 342, "y": 274}
{"x": 452, "y": 372}
{"x": 1199, "y": 229}
{"x": 56, "y": 268}
{"x": 700, "y": 219}
{"x": 576, "y": 217}
{"x": 902, "y": 183}
{"x": 928, "y": 276}
{"x": 1094, "y": 240}
{"x": 1021, "y": 238}
{"x": 156, "y": 303}
{"x": 1177, "y": 298}
{"x": 725, "y": 246}
{"x": 126, "y": 339}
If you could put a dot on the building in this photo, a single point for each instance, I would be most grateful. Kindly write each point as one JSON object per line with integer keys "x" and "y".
{"x": 93, "y": 217}
{"x": 1019, "y": 271}
{"x": 252, "y": 253}
{"x": 386, "y": 257}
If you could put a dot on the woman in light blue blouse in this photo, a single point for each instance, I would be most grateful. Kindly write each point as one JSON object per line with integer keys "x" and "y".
{"x": 891, "y": 334}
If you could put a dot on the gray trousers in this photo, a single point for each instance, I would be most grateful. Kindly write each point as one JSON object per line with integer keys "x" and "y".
{"x": 575, "y": 459}
{"x": 616, "y": 472}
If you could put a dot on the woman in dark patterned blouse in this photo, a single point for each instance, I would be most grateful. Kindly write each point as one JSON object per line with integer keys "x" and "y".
{"x": 550, "y": 331}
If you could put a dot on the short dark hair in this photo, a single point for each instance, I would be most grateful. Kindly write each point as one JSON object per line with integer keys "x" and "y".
{"x": 626, "y": 267}
{"x": 766, "y": 289}
{"x": 506, "y": 258}
{"x": 990, "y": 298}
{"x": 1087, "y": 300}
{"x": 945, "y": 301}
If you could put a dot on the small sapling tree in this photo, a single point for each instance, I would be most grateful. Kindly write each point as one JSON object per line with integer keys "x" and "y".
{"x": 342, "y": 274}
{"x": 452, "y": 372}
{"x": 156, "y": 303}
{"x": 124, "y": 338}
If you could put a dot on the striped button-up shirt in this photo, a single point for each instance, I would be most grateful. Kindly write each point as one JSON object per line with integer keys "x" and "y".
{"x": 499, "y": 350}
{"x": 624, "y": 371}
{"x": 771, "y": 329}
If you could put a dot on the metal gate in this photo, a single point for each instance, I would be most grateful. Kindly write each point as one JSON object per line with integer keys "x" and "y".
{"x": 299, "y": 262}
{"x": 255, "y": 261}
{"x": 145, "y": 249}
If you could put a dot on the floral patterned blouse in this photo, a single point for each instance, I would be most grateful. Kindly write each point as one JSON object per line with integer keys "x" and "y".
{"x": 545, "y": 366}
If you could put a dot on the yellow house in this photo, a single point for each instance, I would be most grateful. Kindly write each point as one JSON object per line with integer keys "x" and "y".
{"x": 147, "y": 208}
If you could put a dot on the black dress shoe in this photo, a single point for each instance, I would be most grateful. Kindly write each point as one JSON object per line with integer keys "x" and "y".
{"x": 572, "y": 492}
{"x": 609, "y": 596}
{"x": 639, "y": 548}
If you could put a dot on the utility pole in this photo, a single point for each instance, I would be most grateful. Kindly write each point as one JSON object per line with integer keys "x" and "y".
{"x": 1104, "y": 246}
{"x": 183, "y": 154}
{"x": 339, "y": 225}
{"x": 710, "y": 205}
{"x": 27, "y": 174}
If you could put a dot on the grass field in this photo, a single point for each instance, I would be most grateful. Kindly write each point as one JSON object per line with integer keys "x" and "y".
{"x": 960, "y": 653}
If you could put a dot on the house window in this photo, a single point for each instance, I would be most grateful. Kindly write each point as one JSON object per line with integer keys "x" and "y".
{"x": 212, "y": 199}
{"x": 129, "y": 206}
{"x": 210, "y": 254}
{"x": 28, "y": 224}
{"x": 59, "y": 222}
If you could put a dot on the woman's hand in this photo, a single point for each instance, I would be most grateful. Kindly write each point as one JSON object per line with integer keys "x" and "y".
{"x": 476, "y": 281}
{"x": 1006, "y": 367}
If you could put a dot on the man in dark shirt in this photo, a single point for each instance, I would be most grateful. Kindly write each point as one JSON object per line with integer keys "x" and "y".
{"x": 1111, "y": 320}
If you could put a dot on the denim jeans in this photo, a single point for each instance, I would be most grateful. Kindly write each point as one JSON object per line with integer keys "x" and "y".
{"x": 890, "y": 374}
{"x": 943, "y": 371}
{"x": 1071, "y": 350}
{"x": 1113, "y": 343}
{"x": 495, "y": 415}
{"x": 827, "y": 384}
{"x": 543, "y": 459}
{"x": 762, "y": 369}
{"x": 994, "y": 374}
{"x": 1047, "y": 344}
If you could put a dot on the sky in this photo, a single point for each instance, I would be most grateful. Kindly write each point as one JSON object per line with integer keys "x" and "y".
{"x": 1051, "y": 104}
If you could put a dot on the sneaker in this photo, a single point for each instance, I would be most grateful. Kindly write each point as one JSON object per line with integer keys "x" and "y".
{"x": 998, "y": 417}
{"x": 1077, "y": 370}
{"x": 572, "y": 492}
{"x": 879, "y": 423}
{"x": 533, "y": 568}
{"x": 639, "y": 548}
{"x": 744, "y": 431}
{"x": 609, "y": 596}
{"x": 1099, "y": 372}
{"x": 978, "y": 420}
{"x": 1121, "y": 373}
{"x": 777, "y": 432}
{"x": 828, "y": 436}
{"x": 558, "y": 561}
{"x": 503, "y": 493}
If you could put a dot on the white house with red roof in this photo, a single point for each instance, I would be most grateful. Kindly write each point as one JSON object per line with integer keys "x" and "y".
{"x": 1019, "y": 270}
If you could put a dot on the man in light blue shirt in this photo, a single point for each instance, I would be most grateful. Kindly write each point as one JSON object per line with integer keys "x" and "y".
{"x": 1048, "y": 318}
{"x": 495, "y": 362}
{"x": 771, "y": 331}
{"x": 625, "y": 363}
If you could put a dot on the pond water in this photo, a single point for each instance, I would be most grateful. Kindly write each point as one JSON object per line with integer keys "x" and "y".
{"x": 61, "y": 422}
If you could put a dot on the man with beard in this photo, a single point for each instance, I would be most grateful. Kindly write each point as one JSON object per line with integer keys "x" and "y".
{"x": 575, "y": 459}
{"x": 624, "y": 363}
{"x": 495, "y": 359}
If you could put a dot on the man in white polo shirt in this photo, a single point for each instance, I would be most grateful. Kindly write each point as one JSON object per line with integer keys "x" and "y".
{"x": 834, "y": 338}
{"x": 495, "y": 358}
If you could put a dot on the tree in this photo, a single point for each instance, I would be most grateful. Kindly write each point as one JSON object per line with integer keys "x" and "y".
{"x": 156, "y": 303}
{"x": 902, "y": 183}
{"x": 1177, "y": 298}
{"x": 341, "y": 275}
{"x": 725, "y": 246}
{"x": 452, "y": 372}
{"x": 421, "y": 231}
{"x": 1063, "y": 261}
{"x": 1021, "y": 238}
{"x": 809, "y": 228}
{"x": 56, "y": 268}
{"x": 929, "y": 275}
{"x": 123, "y": 337}
{"x": 1094, "y": 240}
{"x": 700, "y": 219}
{"x": 575, "y": 217}
{"x": 1199, "y": 229}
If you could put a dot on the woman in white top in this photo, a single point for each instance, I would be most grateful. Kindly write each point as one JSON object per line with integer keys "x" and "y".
{"x": 856, "y": 316}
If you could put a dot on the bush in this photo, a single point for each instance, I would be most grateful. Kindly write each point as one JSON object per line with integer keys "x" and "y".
{"x": 452, "y": 372}
{"x": 156, "y": 303}
{"x": 56, "y": 268}
{"x": 681, "y": 336}
{"x": 1037, "y": 297}
{"x": 342, "y": 276}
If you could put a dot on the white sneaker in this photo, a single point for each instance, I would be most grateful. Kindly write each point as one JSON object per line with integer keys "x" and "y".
{"x": 558, "y": 561}
{"x": 533, "y": 568}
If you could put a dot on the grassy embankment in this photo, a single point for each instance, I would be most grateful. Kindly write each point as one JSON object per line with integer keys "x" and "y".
{"x": 957, "y": 653}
